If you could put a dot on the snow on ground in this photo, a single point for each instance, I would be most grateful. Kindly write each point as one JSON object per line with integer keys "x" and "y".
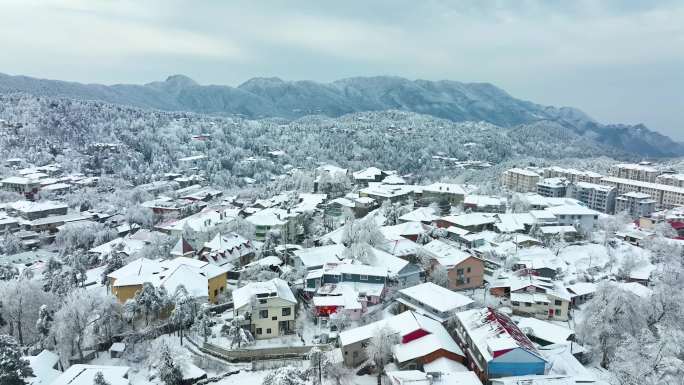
{"x": 244, "y": 378}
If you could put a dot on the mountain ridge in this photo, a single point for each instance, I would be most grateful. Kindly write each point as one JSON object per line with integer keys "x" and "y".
{"x": 264, "y": 97}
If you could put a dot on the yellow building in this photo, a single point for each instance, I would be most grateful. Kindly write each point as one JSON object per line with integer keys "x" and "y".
{"x": 268, "y": 308}
{"x": 201, "y": 279}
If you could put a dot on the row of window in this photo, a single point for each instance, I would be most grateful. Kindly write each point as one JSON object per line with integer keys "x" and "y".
{"x": 286, "y": 311}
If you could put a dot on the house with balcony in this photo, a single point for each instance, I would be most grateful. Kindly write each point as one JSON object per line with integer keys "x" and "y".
{"x": 268, "y": 308}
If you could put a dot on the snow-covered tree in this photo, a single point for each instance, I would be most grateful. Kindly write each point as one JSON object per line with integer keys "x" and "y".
{"x": 114, "y": 262}
{"x": 287, "y": 375}
{"x": 182, "y": 313}
{"x": 610, "y": 316}
{"x": 44, "y": 324}
{"x": 99, "y": 379}
{"x": 169, "y": 371}
{"x": 14, "y": 369}
{"x": 151, "y": 301}
{"x": 21, "y": 301}
{"x": 74, "y": 321}
{"x": 379, "y": 349}
{"x": 439, "y": 276}
{"x": 8, "y": 272}
{"x": 11, "y": 244}
{"x": 237, "y": 334}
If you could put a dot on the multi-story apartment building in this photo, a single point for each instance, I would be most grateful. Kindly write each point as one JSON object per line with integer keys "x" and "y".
{"x": 552, "y": 187}
{"x": 666, "y": 196}
{"x": 520, "y": 180}
{"x": 267, "y": 308}
{"x": 595, "y": 196}
{"x": 636, "y": 204}
{"x": 676, "y": 180}
{"x": 572, "y": 175}
{"x": 643, "y": 172}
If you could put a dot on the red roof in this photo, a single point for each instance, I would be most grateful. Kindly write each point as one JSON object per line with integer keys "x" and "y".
{"x": 677, "y": 225}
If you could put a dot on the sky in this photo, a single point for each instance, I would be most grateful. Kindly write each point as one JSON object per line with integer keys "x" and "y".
{"x": 619, "y": 61}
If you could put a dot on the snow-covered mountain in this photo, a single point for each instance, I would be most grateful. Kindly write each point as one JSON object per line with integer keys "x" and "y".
{"x": 274, "y": 97}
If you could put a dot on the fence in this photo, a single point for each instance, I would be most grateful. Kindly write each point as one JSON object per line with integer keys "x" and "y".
{"x": 251, "y": 355}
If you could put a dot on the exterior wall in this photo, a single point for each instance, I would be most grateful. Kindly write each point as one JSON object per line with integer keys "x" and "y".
{"x": 216, "y": 286}
{"x": 520, "y": 182}
{"x": 125, "y": 293}
{"x": 354, "y": 354}
{"x": 468, "y": 280}
{"x": 259, "y": 326}
{"x": 664, "y": 195}
{"x": 543, "y": 311}
{"x": 507, "y": 369}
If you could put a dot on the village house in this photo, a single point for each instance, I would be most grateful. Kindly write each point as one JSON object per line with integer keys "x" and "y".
{"x": 338, "y": 300}
{"x": 425, "y": 215}
{"x": 432, "y": 301}
{"x": 484, "y": 204}
{"x": 268, "y": 308}
{"x": 495, "y": 346}
{"x": 369, "y": 175}
{"x": 25, "y": 186}
{"x": 534, "y": 296}
{"x": 465, "y": 271}
{"x": 473, "y": 222}
{"x": 581, "y": 292}
{"x": 272, "y": 219}
{"x": 35, "y": 210}
{"x": 544, "y": 333}
{"x": 369, "y": 281}
{"x": 422, "y": 340}
{"x": 80, "y": 374}
{"x": 453, "y": 194}
{"x": 201, "y": 279}
{"x": 385, "y": 192}
{"x": 228, "y": 248}
{"x": 581, "y": 217}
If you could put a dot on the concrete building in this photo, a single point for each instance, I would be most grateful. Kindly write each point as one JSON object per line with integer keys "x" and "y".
{"x": 643, "y": 172}
{"x": 25, "y": 186}
{"x": 520, "y": 180}
{"x": 572, "y": 175}
{"x": 666, "y": 196}
{"x": 676, "y": 180}
{"x": 583, "y": 218}
{"x": 595, "y": 196}
{"x": 268, "y": 308}
{"x": 636, "y": 204}
{"x": 552, "y": 187}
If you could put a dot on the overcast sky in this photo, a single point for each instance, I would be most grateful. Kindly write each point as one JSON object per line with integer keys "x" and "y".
{"x": 619, "y": 61}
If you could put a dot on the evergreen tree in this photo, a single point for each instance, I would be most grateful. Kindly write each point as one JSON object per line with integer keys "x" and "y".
{"x": 13, "y": 368}
{"x": 169, "y": 372}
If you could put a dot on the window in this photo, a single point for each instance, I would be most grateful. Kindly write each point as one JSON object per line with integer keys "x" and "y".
{"x": 263, "y": 313}
{"x": 287, "y": 311}
{"x": 215, "y": 292}
{"x": 527, "y": 304}
{"x": 363, "y": 277}
{"x": 558, "y": 302}
{"x": 262, "y": 301}
{"x": 515, "y": 303}
{"x": 222, "y": 289}
{"x": 355, "y": 354}
{"x": 274, "y": 318}
{"x": 268, "y": 331}
{"x": 468, "y": 280}
{"x": 468, "y": 270}
{"x": 258, "y": 330}
{"x": 459, "y": 271}
{"x": 558, "y": 311}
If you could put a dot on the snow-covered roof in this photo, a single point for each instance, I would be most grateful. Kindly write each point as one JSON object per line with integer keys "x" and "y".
{"x": 436, "y": 297}
{"x": 441, "y": 187}
{"x": 534, "y": 380}
{"x": 309, "y": 202}
{"x": 550, "y": 230}
{"x": 446, "y": 254}
{"x": 269, "y": 217}
{"x": 470, "y": 219}
{"x": 345, "y": 297}
{"x": 522, "y": 171}
{"x": 635, "y": 288}
{"x": 421, "y": 214}
{"x": 483, "y": 200}
{"x": 80, "y": 374}
{"x": 491, "y": 331}
{"x": 544, "y": 330}
{"x": 228, "y": 242}
{"x": 403, "y": 324}
{"x": 276, "y": 287}
{"x": 400, "y": 230}
{"x": 635, "y": 195}
{"x": 319, "y": 256}
{"x": 43, "y": 365}
{"x": 30, "y": 207}
{"x": 571, "y": 210}
{"x": 438, "y": 339}
{"x": 393, "y": 179}
{"x": 183, "y": 275}
{"x": 582, "y": 288}
{"x": 368, "y": 174}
